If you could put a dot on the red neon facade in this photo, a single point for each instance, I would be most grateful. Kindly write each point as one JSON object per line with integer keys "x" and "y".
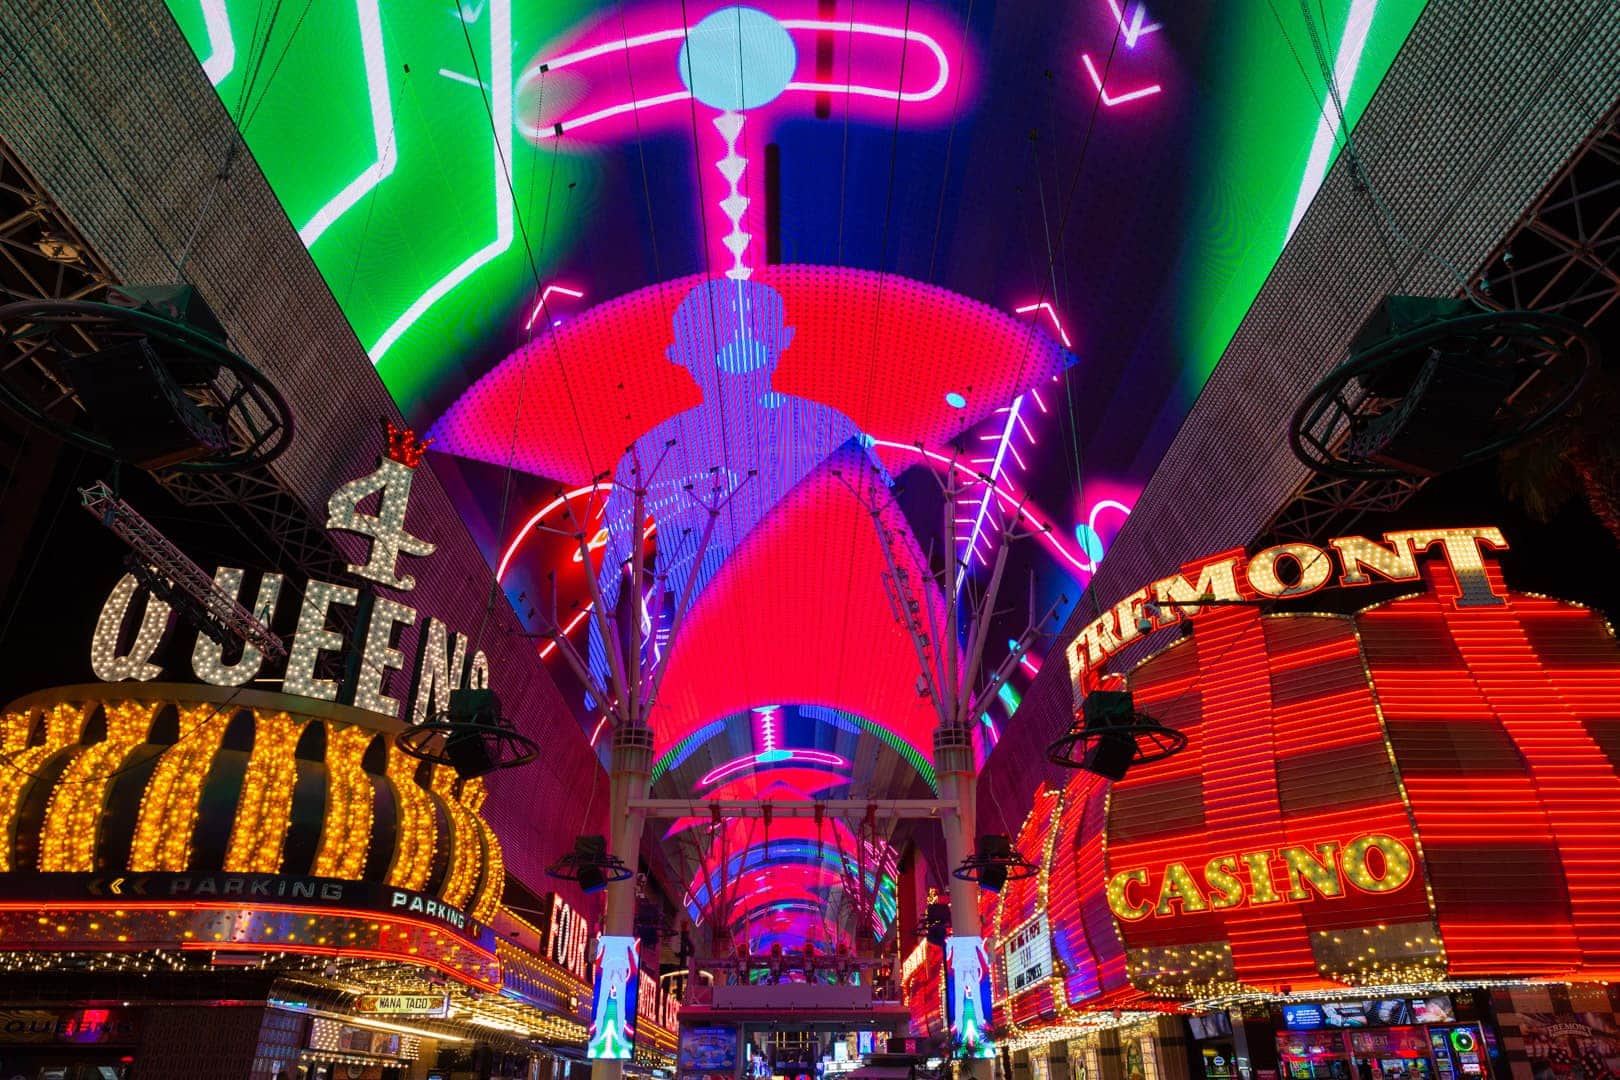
{"x": 1421, "y": 790}
{"x": 1503, "y": 720}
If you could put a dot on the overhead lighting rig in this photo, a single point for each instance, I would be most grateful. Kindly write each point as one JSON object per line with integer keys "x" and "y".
{"x": 1111, "y": 736}
{"x": 471, "y": 736}
{"x": 147, "y": 380}
{"x": 1436, "y": 384}
{"x": 995, "y": 862}
{"x": 590, "y": 865}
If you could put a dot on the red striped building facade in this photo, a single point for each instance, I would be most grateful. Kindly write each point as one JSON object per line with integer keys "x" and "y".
{"x": 1422, "y": 791}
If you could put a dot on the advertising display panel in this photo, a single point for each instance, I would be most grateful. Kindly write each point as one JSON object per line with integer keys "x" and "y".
{"x": 614, "y": 1000}
{"x": 967, "y": 996}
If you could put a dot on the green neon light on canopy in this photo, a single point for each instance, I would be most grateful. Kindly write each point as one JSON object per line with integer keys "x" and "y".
{"x": 1254, "y": 154}
{"x": 372, "y": 130}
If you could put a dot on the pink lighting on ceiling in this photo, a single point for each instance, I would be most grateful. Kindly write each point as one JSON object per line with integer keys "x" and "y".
{"x": 619, "y": 376}
{"x": 873, "y": 52}
{"x": 770, "y": 757}
{"x": 538, "y": 516}
{"x": 1114, "y": 99}
{"x": 768, "y": 752}
{"x": 781, "y": 576}
{"x": 1046, "y": 306}
{"x": 545, "y": 295}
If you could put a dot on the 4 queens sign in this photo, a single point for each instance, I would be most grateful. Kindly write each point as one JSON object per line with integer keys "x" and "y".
{"x": 440, "y": 661}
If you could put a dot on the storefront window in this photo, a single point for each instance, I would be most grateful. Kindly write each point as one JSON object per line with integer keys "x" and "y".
{"x": 1219, "y": 1062}
{"x": 1133, "y": 1060}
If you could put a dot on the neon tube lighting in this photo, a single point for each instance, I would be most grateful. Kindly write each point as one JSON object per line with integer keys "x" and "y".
{"x": 460, "y": 78}
{"x": 500, "y": 77}
{"x": 545, "y": 294}
{"x": 1134, "y": 31}
{"x": 748, "y": 761}
{"x": 551, "y": 130}
{"x": 907, "y": 35}
{"x": 1009, "y": 501}
{"x": 1046, "y": 306}
{"x": 528, "y": 526}
{"x": 995, "y": 474}
{"x": 1119, "y": 99}
{"x": 382, "y": 127}
{"x": 1357, "y": 27}
{"x": 551, "y": 646}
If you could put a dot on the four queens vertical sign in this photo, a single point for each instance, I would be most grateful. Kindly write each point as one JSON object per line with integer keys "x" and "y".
{"x": 439, "y": 662}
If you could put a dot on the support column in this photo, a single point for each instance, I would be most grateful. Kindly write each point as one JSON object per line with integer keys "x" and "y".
{"x": 631, "y": 764}
{"x": 953, "y": 763}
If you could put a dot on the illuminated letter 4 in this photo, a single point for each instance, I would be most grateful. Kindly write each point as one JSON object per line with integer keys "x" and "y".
{"x": 386, "y": 528}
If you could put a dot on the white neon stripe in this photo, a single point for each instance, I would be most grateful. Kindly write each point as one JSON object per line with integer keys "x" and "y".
{"x": 382, "y": 127}
{"x": 460, "y": 78}
{"x": 1009, "y": 501}
{"x": 995, "y": 474}
{"x": 1135, "y": 30}
{"x": 622, "y": 45}
{"x": 1357, "y": 28}
{"x": 500, "y": 77}
{"x": 1046, "y": 305}
{"x": 550, "y": 130}
{"x": 221, "y": 45}
{"x": 906, "y": 35}
{"x": 545, "y": 294}
{"x": 551, "y": 646}
{"x": 1096, "y": 80}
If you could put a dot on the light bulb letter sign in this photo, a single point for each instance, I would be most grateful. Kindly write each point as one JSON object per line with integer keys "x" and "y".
{"x": 111, "y": 665}
{"x": 613, "y": 1004}
{"x": 208, "y": 655}
{"x": 386, "y": 528}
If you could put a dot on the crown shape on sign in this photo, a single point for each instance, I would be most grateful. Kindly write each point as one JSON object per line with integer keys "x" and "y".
{"x": 403, "y": 445}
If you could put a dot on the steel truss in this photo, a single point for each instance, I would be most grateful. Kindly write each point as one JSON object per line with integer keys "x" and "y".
{"x": 1563, "y": 256}
{"x": 43, "y": 256}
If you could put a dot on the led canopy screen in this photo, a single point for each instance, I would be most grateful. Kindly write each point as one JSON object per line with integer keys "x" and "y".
{"x": 781, "y": 255}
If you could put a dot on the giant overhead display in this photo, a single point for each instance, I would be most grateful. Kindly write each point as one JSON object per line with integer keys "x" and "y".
{"x": 1006, "y": 240}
